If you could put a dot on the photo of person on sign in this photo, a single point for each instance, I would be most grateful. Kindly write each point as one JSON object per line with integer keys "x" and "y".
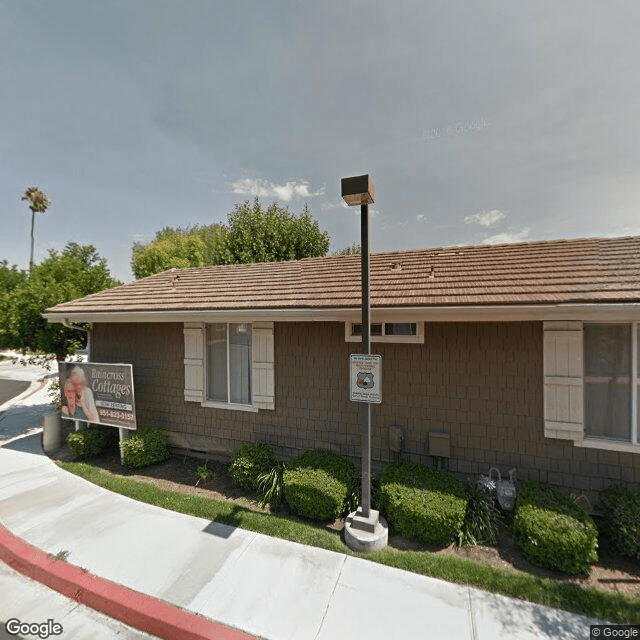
{"x": 80, "y": 402}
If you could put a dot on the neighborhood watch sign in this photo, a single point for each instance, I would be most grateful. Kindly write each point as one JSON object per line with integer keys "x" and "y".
{"x": 98, "y": 393}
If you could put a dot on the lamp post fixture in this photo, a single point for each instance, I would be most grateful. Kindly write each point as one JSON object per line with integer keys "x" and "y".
{"x": 365, "y": 530}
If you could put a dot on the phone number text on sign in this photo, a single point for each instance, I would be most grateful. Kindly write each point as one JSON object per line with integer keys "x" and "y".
{"x": 115, "y": 415}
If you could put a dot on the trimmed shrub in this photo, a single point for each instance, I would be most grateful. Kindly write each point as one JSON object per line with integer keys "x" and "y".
{"x": 251, "y": 461}
{"x": 621, "y": 520}
{"x": 144, "y": 447}
{"x": 92, "y": 440}
{"x": 320, "y": 484}
{"x": 423, "y": 503}
{"x": 553, "y": 531}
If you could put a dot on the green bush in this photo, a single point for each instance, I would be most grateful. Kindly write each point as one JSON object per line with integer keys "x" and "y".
{"x": 144, "y": 447}
{"x": 91, "y": 441}
{"x": 251, "y": 461}
{"x": 621, "y": 519}
{"x": 319, "y": 484}
{"x": 481, "y": 520}
{"x": 553, "y": 531}
{"x": 423, "y": 503}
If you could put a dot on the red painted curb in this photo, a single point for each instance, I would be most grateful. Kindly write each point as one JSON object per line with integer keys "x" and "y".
{"x": 131, "y": 607}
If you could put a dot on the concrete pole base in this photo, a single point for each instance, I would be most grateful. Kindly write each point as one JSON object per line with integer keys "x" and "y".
{"x": 51, "y": 432}
{"x": 366, "y": 534}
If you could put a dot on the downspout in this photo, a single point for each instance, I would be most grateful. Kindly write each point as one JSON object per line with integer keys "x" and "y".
{"x": 66, "y": 323}
{"x": 122, "y": 433}
{"x": 69, "y": 325}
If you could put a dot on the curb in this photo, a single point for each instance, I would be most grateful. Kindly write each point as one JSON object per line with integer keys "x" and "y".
{"x": 135, "y": 609}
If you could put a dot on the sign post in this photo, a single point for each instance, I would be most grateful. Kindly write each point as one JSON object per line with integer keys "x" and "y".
{"x": 365, "y": 530}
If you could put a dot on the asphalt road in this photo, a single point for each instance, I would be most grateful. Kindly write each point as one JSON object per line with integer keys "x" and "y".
{"x": 27, "y": 601}
{"x": 11, "y": 388}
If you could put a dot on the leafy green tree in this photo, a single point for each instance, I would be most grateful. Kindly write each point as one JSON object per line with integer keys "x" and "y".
{"x": 274, "y": 235}
{"x": 170, "y": 248}
{"x": 214, "y": 237}
{"x": 75, "y": 272}
{"x": 39, "y": 204}
{"x": 10, "y": 277}
{"x": 252, "y": 234}
{"x": 179, "y": 248}
{"x": 351, "y": 250}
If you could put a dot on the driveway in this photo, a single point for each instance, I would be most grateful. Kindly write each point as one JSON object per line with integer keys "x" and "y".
{"x": 11, "y": 388}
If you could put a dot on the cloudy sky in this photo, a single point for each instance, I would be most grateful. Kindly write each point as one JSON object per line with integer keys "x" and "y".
{"x": 479, "y": 121}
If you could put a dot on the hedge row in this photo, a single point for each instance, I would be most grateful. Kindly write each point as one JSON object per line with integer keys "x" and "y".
{"x": 620, "y": 509}
{"x": 141, "y": 448}
{"x": 92, "y": 440}
{"x": 318, "y": 484}
{"x": 553, "y": 530}
{"x": 144, "y": 447}
{"x": 423, "y": 503}
{"x": 420, "y": 502}
{"x": 249, "y": 462}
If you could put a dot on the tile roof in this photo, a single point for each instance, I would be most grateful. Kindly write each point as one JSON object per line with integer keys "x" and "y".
{"x": 561, "y": 271}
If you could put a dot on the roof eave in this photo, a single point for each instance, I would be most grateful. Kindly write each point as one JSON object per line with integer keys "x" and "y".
{"x": 621, "y": 312}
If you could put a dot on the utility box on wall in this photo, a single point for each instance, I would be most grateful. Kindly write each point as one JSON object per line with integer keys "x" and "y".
{"x": 439, "y": 444}
{"x": 395, "y": 438}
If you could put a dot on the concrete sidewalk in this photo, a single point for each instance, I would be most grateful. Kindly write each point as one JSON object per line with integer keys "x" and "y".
{"x": 264, "y": 586}
{"x": 30, "y": 601}
{"x": 20, "y": 415}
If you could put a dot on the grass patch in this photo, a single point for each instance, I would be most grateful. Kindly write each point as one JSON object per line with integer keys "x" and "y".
{"x": 615, "y": 607}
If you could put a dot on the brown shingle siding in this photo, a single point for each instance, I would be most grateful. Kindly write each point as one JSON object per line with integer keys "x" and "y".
{"x": 493, "y": 418}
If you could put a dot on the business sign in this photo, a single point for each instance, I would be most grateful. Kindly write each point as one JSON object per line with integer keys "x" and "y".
{"x": 365, "y": 378}
{"x": 98, "y": 393}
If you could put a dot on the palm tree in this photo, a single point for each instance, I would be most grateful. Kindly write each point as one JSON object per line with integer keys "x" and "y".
{"x": 39, "y": 203}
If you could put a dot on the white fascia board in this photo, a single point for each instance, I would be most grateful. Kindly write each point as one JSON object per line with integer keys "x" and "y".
{"x": 621, "y": 312}
{"x": 239, "y": 315}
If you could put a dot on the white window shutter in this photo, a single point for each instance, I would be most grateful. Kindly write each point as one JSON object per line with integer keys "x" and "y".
{"x": 263, "y": 385}
{"x": 194, "y": 361}
{"x": 563, "y": 381}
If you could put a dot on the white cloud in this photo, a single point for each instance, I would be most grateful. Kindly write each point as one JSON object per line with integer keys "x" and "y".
{"x": 620, "y": 231}
{"x": 334, "y": 204}
{"x": 508, "y": 237}
{"x": 267, "y": 189}
{"x": 421, "y": 218}
{"x": 485, "y": 218}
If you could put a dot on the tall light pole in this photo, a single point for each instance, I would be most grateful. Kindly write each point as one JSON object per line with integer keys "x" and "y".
{"x": 365, "y": 530}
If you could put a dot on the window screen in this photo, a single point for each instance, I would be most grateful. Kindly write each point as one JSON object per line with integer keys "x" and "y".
{"x": 229, "y": 362}
{"x": 607, "y": 381}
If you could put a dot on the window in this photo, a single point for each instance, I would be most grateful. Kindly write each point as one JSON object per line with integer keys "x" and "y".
{"x": 607, "y": 381}
{"x": 591, "y": 391}
{"x": 229, "y": 365}
{"x": 229, "y": 362}
{"x": 387, "y": 332}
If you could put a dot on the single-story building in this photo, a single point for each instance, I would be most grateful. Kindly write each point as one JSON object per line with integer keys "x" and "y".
{"x": 520, "y": 355}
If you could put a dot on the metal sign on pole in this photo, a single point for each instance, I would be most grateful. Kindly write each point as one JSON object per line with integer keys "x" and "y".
{"x": 365, "y": 378}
